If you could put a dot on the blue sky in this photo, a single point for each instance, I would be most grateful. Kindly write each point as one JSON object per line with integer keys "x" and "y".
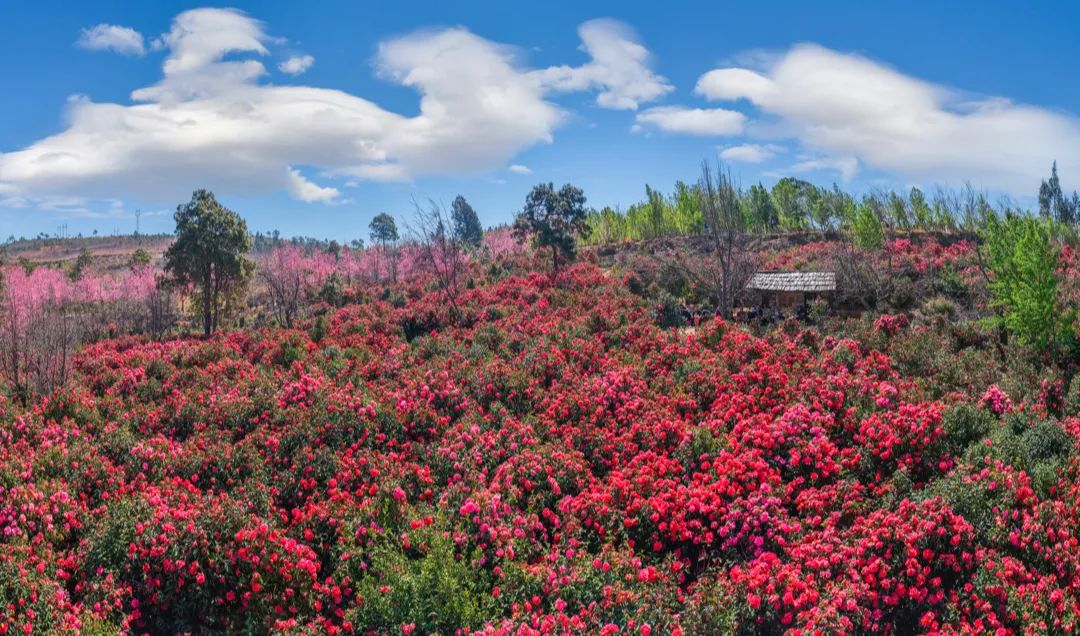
{"x": 311, "y": 118}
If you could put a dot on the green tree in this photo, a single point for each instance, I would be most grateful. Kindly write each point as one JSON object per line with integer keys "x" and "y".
{"x": 140, "y": 258}
{"x": 82, "y": 264}
{"x": 898, "y": 211}
{"x": 384, "y": 233}
{"x": 866, "y": 229}
{"x": 760, "y": 209}
{"x": 383, "y": 229}
{"x": 792, "y": 199}
{"x": 553, "y": 219}
{"x": 333, "y": 248}
{"x": 210, "y": 253}
{"x": 467, "y": 228}
{"x": 1023, "y": 256}
{"x": 655, "y": 201}
{"x": 686, "y": 208}
{"x": 1053, "y": 204}
{"x": 920, "y": 209}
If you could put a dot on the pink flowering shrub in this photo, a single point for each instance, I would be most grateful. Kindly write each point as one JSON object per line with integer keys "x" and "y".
{"x": 44, "y": 316}
{"x": 996, "y": 400}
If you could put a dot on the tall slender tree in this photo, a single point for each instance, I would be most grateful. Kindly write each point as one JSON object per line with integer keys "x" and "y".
{"x": 1053, "y": 204}
{"x": 384, "y": 233}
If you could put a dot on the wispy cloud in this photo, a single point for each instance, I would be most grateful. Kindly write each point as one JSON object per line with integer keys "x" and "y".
{"x": 110, "y": 37}
{"x": 751, "y": 153}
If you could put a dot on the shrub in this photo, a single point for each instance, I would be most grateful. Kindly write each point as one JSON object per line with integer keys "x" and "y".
{"x": 902, "y": 294}
{"x": 668, "y": 311}
{"x": 964, "y": 425}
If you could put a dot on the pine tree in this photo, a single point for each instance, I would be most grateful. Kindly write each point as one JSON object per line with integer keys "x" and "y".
{"x": 467, "y": 228}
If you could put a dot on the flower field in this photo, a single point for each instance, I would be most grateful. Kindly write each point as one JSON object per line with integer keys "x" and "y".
{"x": 550, "y": 462}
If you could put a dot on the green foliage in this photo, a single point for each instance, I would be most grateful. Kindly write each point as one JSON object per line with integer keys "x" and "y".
{"x": 1072, "y": 397}
{"x": 792, "y": 205}
{"x": 655, "y": 203}
{"x": 467, "y": 228}
{"x": 793, "y": 199}
{"x": 82, "y": 264}
{"x": 1046, "y": 440}
{"x": 553, "y": 219}
{"x": 817, "y": 310}
{"x": 668, "y": 311}
{"x": 332, "y": 291}
{"x": 140, "y": 258}
{"x": 902, "y": 294}
{"x": 921, "y": 215}
{"x": 1040, "y": 447}
{"x": 209, "y": 253}
{"x": 867, "y": 231}
{"x": 429, "y": 586}
{"x": 949, "y": 282}
{"x": 715, "y": 609}
{"x": 964, "y": 425}
{"x": 1053, "y": 204}
{"x": 1023, "y": 259}
{"x": 760, "y": 211}
{"x": 383, "y": 229}
{"x": 939, "y": 306}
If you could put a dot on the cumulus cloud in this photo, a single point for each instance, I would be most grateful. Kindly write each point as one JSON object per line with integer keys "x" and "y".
{"x": 693, "y": 121}
{"x": 296, "y": 65}
{"x": 517, "y": 168}
{"x": 751, "y": 153}
{"x": 620, "y": 68}
{"x": 110, "y": 37}
{"x": 302, "y": 189}
{"x": 213, "y": 121}
{"x": 853, "y": 111}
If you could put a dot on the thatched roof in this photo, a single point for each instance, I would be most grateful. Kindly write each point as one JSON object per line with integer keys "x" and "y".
{"x": 793, "y": 281}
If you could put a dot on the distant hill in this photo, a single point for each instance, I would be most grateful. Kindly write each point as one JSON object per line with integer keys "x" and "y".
{"x": 109, "y": 252}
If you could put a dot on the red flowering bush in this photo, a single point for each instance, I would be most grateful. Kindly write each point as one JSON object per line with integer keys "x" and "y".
{"x": 548, "y": 460}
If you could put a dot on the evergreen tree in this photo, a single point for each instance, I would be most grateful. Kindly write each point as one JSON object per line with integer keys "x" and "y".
{"x": 553, "y": 219}
{"x": 1053, "y": 204}
{"x": 467, "y": 228}
{"x": 210, "y": 253}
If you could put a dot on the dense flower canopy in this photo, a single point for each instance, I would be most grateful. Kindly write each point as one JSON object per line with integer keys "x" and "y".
{"x": 552, "y": 461}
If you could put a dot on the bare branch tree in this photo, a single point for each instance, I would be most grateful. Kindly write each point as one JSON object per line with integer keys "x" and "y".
{"x": 439, "y": 251}
{"x": 733, "y": 262}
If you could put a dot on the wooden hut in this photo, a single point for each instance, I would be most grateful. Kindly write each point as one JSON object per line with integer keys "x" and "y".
{"x": 788, "y": 290}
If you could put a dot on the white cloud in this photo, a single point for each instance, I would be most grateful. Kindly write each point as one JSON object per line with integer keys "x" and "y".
{"x": 852, "y": 111}
{"x": 110, "y": 37}
{"x": 517, "y": 168}
{"x": 297, "y": 64}
{"x": 211, "y": 121}
{"x": 693, "y": 121}
{"x": 734, "y": 83}
{"x": 751, "y": 153}
{"x": 848, "y": 167}
{"x": 620, "y": 67}
{"x": 302, "y": 189}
